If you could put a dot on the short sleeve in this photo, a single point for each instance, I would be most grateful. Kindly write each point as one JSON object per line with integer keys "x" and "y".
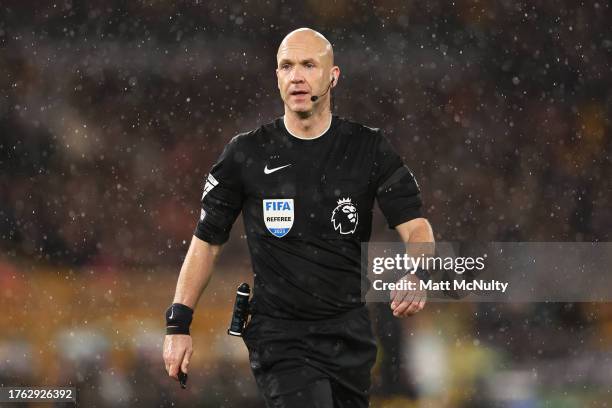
{"x": 222, "y": 197}
{"x": 397, "y": 191}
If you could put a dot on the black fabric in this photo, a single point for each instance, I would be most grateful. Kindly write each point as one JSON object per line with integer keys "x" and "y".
{"x": 399, "y": 197}
{"x": 330, "y": 184}
{"x": 422, "y": 274}
{"x": 221, "y": 202}
{"x": 293, "y": 359}
{"x": 178, "y": 319}
{"x": 313, "y": 395}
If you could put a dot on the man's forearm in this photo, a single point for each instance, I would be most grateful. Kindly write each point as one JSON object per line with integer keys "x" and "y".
{"x": 416, "y": 231}
{"x": 195, "y": 272}
{"x": 419, "y": 236}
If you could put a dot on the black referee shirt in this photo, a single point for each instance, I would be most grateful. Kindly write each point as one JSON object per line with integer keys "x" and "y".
{"x": 307, "y": 206}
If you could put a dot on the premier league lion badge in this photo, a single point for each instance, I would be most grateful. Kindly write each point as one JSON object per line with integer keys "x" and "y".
{"x": 345, "y": 217}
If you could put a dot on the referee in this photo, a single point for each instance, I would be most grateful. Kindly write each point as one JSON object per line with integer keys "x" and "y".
{"x": 306, "y": 185}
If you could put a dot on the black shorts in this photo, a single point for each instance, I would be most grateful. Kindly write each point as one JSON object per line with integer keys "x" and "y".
{"x": 322, "y": 364}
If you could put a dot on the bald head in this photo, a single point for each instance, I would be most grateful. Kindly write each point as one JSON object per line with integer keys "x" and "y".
{"x": 306, "y": 72}
{"x": 310, "y": 41}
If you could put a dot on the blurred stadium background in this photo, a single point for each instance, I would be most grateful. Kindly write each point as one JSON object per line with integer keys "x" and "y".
{"x": 111, "y": 113}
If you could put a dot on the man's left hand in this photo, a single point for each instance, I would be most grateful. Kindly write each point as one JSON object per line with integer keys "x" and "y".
{"x": 408, "y": 302}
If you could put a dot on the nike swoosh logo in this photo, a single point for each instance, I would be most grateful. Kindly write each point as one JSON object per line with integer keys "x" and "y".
{"x": 270, "y": 171}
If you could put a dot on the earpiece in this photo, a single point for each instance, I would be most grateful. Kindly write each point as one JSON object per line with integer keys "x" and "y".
{"x": 314, "y": 98}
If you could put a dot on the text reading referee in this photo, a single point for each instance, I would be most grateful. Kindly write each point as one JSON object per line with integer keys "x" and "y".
{"x": 306, "y": 184}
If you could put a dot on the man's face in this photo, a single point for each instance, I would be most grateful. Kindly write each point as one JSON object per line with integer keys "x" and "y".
{"x": 303, "y": 70}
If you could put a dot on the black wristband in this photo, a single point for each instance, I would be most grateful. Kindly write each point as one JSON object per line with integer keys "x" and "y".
{"x": 422, "y": 274}
{"x": 178, "y": 319}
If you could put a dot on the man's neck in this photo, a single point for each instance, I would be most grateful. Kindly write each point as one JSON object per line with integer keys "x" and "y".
{"x": 307, "y": 127}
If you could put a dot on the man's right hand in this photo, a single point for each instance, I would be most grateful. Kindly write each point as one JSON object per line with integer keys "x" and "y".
{"x": 178, "y": 349}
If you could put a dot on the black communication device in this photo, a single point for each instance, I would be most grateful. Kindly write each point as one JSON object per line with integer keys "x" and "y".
{"x": 241, "y": 310}
{"x": 182, "y": 377}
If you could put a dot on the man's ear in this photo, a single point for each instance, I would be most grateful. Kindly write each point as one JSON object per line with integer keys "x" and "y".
{"x": 335, "y": 76}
